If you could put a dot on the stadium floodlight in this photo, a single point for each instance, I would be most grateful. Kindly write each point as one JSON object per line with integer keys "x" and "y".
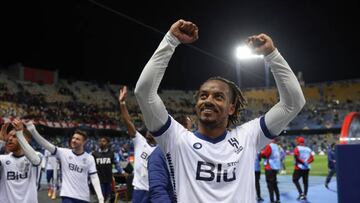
{"x": 244, "y": 52}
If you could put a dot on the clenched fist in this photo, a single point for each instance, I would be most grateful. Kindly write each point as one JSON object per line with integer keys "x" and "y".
{"x": 185, "y": 31}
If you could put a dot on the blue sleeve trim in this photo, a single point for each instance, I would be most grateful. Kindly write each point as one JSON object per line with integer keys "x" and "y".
{"x": 92, "y": 173}
{"x": 265, "y": 129}
{"x": 54, "y": 151}
{"x": 162, "y": 129}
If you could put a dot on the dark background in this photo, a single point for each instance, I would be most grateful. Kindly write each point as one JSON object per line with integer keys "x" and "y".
{"x": 85, "y": 41}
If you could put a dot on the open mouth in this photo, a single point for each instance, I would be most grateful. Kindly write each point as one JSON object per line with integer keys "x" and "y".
{"x": 208, "y": 110}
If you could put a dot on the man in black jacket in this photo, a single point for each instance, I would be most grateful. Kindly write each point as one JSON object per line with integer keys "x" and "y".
{"x": 104, "y": 159}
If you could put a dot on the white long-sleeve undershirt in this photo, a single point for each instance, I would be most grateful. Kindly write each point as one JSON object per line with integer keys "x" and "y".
{"x": 29, "y": 152}
{"x": 155, "y": 114}
{"x": 39, "y": 139}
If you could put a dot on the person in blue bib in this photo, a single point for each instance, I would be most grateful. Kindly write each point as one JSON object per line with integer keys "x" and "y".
{"x": 272, "y": 163}
{"x": 303, "y": 157}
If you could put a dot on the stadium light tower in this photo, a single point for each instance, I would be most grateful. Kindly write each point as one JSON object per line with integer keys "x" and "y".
{"x": 244, "y": 53}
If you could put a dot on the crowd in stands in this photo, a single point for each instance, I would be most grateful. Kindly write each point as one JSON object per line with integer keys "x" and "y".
{"x": 96, "y": 103}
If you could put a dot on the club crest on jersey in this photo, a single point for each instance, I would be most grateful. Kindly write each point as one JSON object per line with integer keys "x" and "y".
{"x": 8, "y": 162}
{"x": 197, "y": 145}
{"x": 84, "y": 160}
{"x": 235, "y": 143}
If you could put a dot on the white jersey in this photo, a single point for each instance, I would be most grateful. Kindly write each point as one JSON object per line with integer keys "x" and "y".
{"x": 141, "y": 156}
{"x": 17, "y": 179}
{"x": 213, "y": 170}
{"x": 51, "y": 161}
{"x": 75, "y": 170}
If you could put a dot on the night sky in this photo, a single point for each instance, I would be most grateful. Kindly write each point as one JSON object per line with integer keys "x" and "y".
{"x": 85, "y": 41}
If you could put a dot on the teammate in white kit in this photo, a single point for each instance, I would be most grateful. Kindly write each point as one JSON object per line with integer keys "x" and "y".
{"x": 215, "y": 164}
{"x": 20, "y": 168}
{"x": 143, "y": 147}
{"x": 76, "y": 166}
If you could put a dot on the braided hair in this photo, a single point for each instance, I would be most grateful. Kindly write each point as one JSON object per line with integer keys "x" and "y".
{"x": 237, "y": 99}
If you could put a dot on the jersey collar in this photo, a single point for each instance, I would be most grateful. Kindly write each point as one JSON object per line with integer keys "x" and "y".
{"x": 17, "y": 156}
{"x": 211, "y": 140}
{"x": 78, "y": 154}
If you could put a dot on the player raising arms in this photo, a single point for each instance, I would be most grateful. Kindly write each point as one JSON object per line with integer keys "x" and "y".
{"x": 215, "y": 164}
{"x": 76, "y": 166}
{"x": 144, "y": 145}
{"x": 19, "y": 168}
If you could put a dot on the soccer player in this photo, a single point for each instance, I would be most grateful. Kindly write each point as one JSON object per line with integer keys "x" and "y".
{"x": 18, "y": 169}
{"x": 303, "y": 157}
{"x": 331, "y": 164}
{"x": 105, "y": 160}
{"x": 272, "y": 163}
{"x": 51, "y": 167}
{"x": 143, "y": 147}
{"x": 160, "y": 187}
{"x": 76, "y": 166}
{"x": 214, "y": 164}
{"x": 257, "y": 177}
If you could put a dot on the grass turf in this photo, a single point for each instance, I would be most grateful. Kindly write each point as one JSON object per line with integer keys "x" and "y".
{"x": 318, "y": 167}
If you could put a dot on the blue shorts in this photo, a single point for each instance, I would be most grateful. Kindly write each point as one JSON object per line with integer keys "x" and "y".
{"x": 49, "y": 175}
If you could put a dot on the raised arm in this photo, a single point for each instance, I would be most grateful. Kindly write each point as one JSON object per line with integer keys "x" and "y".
{"x": 124, "y": 112}
{"x": 94, "y": 178}
{"x": 291, "y": 96}
{"x": 29, "y": 152}
{"x": 3, "y": 133}
{"x": 39, "y": 139}
{"x": 152, "y": 107}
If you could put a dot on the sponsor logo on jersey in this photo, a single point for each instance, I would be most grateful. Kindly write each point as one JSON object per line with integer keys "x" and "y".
{"x": 74, "y": 167}
{"x": 15, "y": 175}
{"x": 207, "y": 171}
{"x": 197, "y": 145}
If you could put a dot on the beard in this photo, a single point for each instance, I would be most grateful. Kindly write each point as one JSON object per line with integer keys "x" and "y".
{"x": 208, "y": 123}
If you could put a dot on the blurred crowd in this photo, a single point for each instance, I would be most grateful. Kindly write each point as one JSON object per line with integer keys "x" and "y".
{"x": 85, "y": 102}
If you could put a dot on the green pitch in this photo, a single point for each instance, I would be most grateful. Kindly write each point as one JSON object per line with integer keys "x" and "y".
{"x": 318, "y": 167}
